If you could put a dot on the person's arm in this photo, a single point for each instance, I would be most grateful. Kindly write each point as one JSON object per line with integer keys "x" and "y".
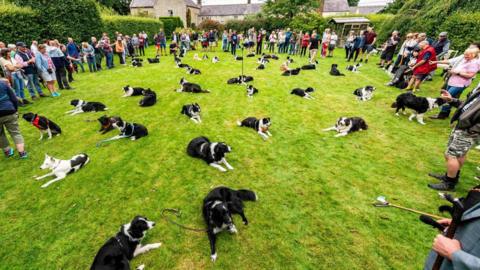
{"x": 455, "y": 102}
{"x": 10, "y": 92}
{"x": 20, "y": 61}
{"x": 464, "y": 260}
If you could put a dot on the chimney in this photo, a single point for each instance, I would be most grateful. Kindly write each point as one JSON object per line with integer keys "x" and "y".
{"x": 199, "y": 2}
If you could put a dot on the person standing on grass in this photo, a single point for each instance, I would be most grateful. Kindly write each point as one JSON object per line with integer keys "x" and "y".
{"x": 74, "y": 54}
{"x": 225, "y": 41}
{"x": 426, "y": 63}
{"x": 108, "y": 52}
{"x": 349, "y": 43}
{"x": 12, "y": 71}
{"x": 120, "y": 50}
{"x": 46, "y": 69}
{"x": 281, "y": 41}
{"x": 333, "y": 43}
{"x": 305, "y": 42}
{"x": 89, "y": 52}
{"x": 135, "y": 44}
{"x": 370, "y": 39}
{"x": 463, "y": 137}
{"x": 271, "y": 42}
{"x": 98, "y": 52}
{"x": 325, "y": 42}
{"x": 313, "y": 47}
{"x": 60, "y": 63}
{"x": 260, "y": 37}
{"x": 27, "y": 60}
{"x": 234, "y": 43}
{"x": 9, "y": 121}
{"x": 141, "y": 45}
{"x": 460, "y": 78}
{"x": 69, "y": 65}
{"x": 389, "y": 50}
{"x": 211, "y": 40}
{"x": 162, "y": 39}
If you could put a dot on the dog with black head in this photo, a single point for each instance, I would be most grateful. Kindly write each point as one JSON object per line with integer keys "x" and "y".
{"x": 213, "y": 153}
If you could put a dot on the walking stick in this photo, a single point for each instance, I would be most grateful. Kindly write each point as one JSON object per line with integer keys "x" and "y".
{"x": 382, "y": 202}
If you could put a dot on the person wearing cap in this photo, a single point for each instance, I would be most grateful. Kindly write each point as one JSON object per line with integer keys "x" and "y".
{"x": 9, "y": 121}
{"x": 424, "y": 66}
{"x": 441, "y": 45}
{"x": 27, "y": 61}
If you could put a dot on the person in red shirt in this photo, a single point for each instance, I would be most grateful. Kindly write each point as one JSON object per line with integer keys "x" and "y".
{"x": 425, "y": 64}
{"x": 305, "y": 42}
{"x": 370, "y": 39}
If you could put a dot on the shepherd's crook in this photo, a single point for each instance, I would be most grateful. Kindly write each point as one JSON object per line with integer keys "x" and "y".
{"x": 382, "y": 202}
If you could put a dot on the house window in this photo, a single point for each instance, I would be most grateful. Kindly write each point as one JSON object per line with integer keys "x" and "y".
{"x": 170, "y": 12}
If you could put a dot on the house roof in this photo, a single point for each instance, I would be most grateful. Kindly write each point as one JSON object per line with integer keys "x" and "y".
{"x": 236, "y": 9}
{"x": 142, "y": 3}
{"x": 335, "y": 6}
{"x": 366, "y": 9}
{"x": 350, "y": 20}
{"x": 190, "y": 3}
{"x": 366, "y": 3}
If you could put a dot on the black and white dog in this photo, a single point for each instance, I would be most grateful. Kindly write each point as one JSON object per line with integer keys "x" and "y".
{"x": 193, "y": 71}
{"x": 149, "y": 98}
{"x": 291, "y": 72}
{"x": 347, "y": 125}
{"x": 190, "y": 87}
{"x": 289, "y": 60}
{"x": 365, "y": 93}
{"x": 251, "y": 55}
{"x": 215, "y": 59}
{"x": 334, "y": 71}
{"x": 261, "y": 126}
{"x": 82, "y": 106}
{"x": 353, "y": 68}
{"x": 61, "y": 168}
{"x": 137, "y": 62}
{"x": 133, "y": 131}
{"x": 310, "y": 66}
{"x": 213, "y": 153}
{"x": 117, "y": 252}
{"x": 106, "y": 123}
{"x": 274, "y": 57}
{"x": 192, "y": 111}
{"x": 155, "y": 60}
{"x": 238, "y": 58}
{"x": 218, "y": 207}
{"x": 43, "y": 124}
{"x": 179, "y": 64}
{"x": 251, "y": 91}
{"x": 205, "y": 57}
{"x": 242, "y": 79}
{"x": 132, "y": 91}
{"x": 303, "y": 93}
{"x": 418, "y": 105}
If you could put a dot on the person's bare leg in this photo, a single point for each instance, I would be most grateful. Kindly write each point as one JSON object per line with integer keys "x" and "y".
{"x": 453, "y": 166}
{"x": 20, "y": 147}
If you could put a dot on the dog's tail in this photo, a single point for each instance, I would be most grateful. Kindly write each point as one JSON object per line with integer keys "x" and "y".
{"x": 205, "y": 91}
{"x": 394, "y": 105}
{"x": 247, "y": 195}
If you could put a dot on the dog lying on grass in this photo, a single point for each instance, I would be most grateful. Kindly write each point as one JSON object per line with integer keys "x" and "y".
{"x": 61, "y": 168}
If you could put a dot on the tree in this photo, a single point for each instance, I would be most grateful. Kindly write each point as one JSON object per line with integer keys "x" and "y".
{"x": 120, "y": 6}
{"x": 353, "y": 3}
{"x": 289, "y": 8}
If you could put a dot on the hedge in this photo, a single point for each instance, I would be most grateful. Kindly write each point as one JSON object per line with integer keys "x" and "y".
{"x": 130, "y": 24}
{"x": 19, "y": 24}
{"x": 79, "y": 19}
{"x": 309, "y": 22}
{"x": 462, "y": 28}
{"x": 170, "y": 24}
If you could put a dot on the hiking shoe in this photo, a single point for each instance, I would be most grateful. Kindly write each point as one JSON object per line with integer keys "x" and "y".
{"x": 23, "y": 155}
{"x": 366, "y": 61}
{"x": 443, "y": 186}
{"x": 25, "y": 101}
{"x": 9, "y": 153}
{"x": 440, "y": 177}
{"x": 439, "y": 116}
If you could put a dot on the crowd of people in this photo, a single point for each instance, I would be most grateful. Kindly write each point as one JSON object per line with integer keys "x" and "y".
{"x": 50, "y": 65}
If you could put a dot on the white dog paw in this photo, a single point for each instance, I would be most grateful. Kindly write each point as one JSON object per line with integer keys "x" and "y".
{"x": 140, "y": 267}
{"x": 156, "y": 245}
{"x": 213, "y": 257}
{"x": 44, "y": 186}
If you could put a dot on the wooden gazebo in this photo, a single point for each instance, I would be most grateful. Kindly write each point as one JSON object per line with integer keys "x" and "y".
{"x": 343, "y": 25}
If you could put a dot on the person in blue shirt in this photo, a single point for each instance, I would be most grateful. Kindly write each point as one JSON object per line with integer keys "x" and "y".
{"x": 358, "y": 44}
{"x": 72, "y": 51}
{"x": 234, "y": 42}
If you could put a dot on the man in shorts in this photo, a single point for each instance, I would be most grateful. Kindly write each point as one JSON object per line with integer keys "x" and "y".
{"x": 464, "y": 136}
{"x": 389, "y": 50}
{"x": 370, "y": 39}
{"x": 426, "y": 63}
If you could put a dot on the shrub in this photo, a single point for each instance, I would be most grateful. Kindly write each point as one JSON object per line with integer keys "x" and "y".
{"x": 79, "y": 19}
{"x": 211, "y": 25}
{"x": 15, "y": 23}
{"x": 130, "y": 24}
{"x": 170, "y": 24}
{"x": 462, "y": 28}
{"x": 308, "y": 22}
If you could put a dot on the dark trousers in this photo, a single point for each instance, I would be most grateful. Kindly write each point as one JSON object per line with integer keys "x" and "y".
{"x": 259, "y": 48}
{"x": 120, "y": 57}
{"x": 70, "y": 71}
{"x": 303, "y": 51}
{"x": 352, "y": 52}
{"x": 271, "y": 47}
{"x": 141, "y": 50}
{"x": 234, "y": 49}
{"x": 61, "y": 75}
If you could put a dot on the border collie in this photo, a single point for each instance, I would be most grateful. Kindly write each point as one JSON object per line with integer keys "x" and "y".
{"x": 261, "y": 126}
{"x": 215, "y": 59}
{"x": 365, "y": 93}
{"x": 43, "y": 124}
{"x": 179, "y": 64}
{"x": 61, "y": 168}
{"x": 117, "y": 252}
{"x": 190, "y": 87}
{"x": 353, "y": 68}
{"x": 263, "y": 60}
{"x": 155, "y": 60}
{"x": 303, "y": 93}
{"x": 196, "y": 57}
{"x": 347, "y": 125}
{"x": 251, "y": 55}
{"x": 106, "y": 123}
{"x": 133, "y": 131}
{"x": 192, "y": 111}
{"x": 82, "y": 106}
{"x": 266, "y": 56}
{"x": 218, "y": 207}
{"x": 289, "y": 60}
{"x": 251, "y": 91}
{"x": 238, "y": 58}
{"x": 213, "y": 153}
{"x": 137, "y": 62}
{"x": 193, "y": 71}
{"x": 132, "y": 91}
{"x": 291, "y": 72}
{"x": 334, "y": 71}
{"x": 274, "y": 57}
{"x": 311, "y": 66}
{"x": 242, "y": 79}
{"x": 149, "y": 98}
{"x": 205, "y": 57}
{"x": 418, "y": 105}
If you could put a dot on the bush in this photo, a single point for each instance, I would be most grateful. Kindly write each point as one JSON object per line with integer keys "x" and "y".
{"x": 462, "y": 28}
{"x": 129, "y": 25}
{"x": 211, "y": 25}
{"x": 79, "y": 19}
{"x": 308, "y": 22}
{"x": 170, "y": 24}
{"x": 15, "y": 23}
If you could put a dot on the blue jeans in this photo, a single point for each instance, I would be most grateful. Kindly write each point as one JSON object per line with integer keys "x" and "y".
{"x": 33, "y": 84}
{"x": 109, "y": 59}
{"x": 18, "y": 85}
{"x": 225, "y": 45}
{"x": 78, "y": 62}
{"x": 456, "y": 92}
{"x": 92, "y": 65}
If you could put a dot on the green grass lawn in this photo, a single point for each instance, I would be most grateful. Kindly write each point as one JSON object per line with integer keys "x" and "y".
{"x": 315, "y": 191}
